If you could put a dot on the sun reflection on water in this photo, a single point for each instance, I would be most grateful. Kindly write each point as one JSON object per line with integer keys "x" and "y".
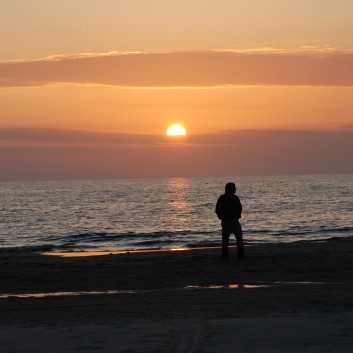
{"x": 178, "y": 202}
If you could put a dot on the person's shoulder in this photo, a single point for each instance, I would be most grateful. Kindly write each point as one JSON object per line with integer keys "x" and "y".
{"x": 221, "y": 197}
{"x": 236, "y": 197}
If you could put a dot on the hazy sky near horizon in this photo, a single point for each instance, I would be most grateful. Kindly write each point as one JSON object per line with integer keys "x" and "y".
{"x": 258, "y": 69}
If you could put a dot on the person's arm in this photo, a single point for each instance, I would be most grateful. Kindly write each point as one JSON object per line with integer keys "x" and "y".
{"x": 241, "y": 208}
{"x": 219, "y": 207}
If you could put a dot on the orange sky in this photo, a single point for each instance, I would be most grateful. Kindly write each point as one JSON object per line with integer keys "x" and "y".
{"x": 151, "y": 111}
{"x": 220, "y": 68}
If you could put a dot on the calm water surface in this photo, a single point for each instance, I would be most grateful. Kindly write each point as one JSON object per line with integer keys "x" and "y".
{"x": 169, "y": 213}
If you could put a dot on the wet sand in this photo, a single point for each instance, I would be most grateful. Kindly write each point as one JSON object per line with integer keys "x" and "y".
{"x": 281, "y": 298}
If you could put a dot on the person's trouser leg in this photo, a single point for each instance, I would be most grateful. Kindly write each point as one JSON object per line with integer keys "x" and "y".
{"x": 225, "y": 240}
{"x": 238, "y": 232}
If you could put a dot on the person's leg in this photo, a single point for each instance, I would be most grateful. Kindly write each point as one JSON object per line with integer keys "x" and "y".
{"x": 225, "y": 239}
{"x": 238, "y": 232}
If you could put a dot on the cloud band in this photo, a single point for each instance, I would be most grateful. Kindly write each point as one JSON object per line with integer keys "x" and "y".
{"x": 314, "y": 67}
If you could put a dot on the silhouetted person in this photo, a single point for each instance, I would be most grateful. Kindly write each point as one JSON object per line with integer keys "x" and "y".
{"x": 229, "y": 210}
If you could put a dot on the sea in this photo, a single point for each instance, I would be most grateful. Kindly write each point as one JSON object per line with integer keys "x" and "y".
{"x": 174, "y": 213}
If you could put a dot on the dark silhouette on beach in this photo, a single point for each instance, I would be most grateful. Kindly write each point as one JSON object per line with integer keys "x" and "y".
{"x": 229, "y": 209}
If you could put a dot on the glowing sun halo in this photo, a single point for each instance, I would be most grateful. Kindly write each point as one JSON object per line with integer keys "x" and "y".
{"x": 176, "y": 130}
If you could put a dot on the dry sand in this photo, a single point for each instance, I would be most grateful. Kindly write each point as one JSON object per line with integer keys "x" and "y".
{"x": 282, "y": 298}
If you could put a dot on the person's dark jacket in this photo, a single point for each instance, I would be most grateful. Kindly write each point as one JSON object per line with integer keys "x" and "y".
{"x": 228, "y": 207}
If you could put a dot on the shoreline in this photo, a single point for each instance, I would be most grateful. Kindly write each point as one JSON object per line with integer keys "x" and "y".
{"x": 48, "y": 249}
{"x": 121, "y": 252}
{"x": 88, "y": 253}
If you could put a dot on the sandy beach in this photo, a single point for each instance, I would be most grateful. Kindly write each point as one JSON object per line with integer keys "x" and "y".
{"x": 293, "y": 297}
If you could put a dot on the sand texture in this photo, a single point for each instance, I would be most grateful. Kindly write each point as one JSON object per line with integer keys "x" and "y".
{"x": 282, "y": 298}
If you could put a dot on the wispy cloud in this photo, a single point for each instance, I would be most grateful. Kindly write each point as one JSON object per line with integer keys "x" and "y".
{"x": 313, "y": 66}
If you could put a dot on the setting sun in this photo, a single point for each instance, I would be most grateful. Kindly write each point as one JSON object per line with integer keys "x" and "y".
{"x": 176, "y": 130}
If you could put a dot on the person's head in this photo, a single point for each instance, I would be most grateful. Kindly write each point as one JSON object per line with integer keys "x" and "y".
{"x": 230, "y": 188}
